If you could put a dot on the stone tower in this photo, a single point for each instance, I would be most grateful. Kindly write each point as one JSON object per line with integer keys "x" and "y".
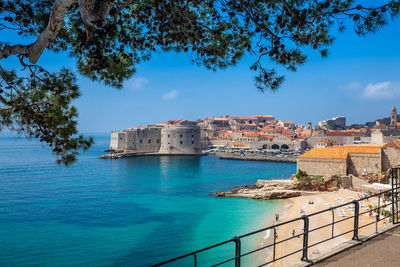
{"x": 393, "y": 117}
{"x": 309, "y": 129}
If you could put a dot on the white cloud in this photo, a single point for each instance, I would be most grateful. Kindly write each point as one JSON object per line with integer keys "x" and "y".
{"x": 354, "y": 85}
{"x": 170, "y": 95}
{"x": 137, "y": 83}
{"x": 382, "y": 90}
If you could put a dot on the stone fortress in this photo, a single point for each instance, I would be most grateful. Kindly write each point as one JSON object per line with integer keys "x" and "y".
{"x": 157, "y": 139}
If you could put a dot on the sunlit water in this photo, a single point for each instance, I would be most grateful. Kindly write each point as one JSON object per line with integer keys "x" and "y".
{"x": 126, "y": 212}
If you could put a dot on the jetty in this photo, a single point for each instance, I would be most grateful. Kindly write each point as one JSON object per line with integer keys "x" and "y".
{"x": 237, "y": 156}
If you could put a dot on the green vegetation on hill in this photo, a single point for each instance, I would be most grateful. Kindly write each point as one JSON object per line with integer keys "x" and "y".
{"x": 385, "y": 121}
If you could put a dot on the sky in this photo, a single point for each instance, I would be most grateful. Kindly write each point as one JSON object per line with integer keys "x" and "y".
{"x": 360, "y": 80}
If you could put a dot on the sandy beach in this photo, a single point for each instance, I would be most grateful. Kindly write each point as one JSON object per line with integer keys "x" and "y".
{"x": 296, "y": 207}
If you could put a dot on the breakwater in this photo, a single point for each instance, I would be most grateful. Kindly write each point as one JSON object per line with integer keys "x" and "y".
{"x": 235, "y": 156}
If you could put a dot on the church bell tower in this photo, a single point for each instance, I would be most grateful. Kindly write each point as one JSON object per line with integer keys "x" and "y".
{"x": 393, "y": 117}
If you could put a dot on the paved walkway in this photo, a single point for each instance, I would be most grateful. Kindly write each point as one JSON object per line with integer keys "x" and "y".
{"x": 382, "y": 250}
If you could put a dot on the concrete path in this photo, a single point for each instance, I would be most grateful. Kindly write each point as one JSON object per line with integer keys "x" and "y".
{"x": 382, "y": 250}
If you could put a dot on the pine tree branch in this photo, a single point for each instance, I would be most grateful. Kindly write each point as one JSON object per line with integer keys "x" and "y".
{"x": 34, "y": 51}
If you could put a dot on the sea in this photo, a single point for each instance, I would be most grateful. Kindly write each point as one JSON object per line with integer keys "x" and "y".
{"x": 136, "y": 211}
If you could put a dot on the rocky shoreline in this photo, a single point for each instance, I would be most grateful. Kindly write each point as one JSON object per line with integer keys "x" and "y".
{"x": 265, "y": 190}
{"x": 232, "y": 156}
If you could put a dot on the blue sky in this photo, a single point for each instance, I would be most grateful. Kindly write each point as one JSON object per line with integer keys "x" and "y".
{"x": 360, "y": 79}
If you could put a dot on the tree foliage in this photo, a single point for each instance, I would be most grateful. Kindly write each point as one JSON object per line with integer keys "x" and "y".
{"x": 108, "y": 38}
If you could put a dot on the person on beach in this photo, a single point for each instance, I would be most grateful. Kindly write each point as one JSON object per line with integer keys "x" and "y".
{"x": 302, "y": 211}
{"x": 293, "y": 232}
{"x": 276, "y": 217}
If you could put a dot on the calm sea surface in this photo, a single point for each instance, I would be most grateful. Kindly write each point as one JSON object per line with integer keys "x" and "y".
{"x": 125, "y": 212}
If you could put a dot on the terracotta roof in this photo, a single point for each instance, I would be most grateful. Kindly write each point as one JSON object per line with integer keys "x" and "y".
{"x": 238, "y": 143}
{"x": 288, "y": 132}
{"x": 263, "y": 116}
{"x": 393, "y": 144}
{"x": 288, "y": 136}
{"x": 241, "y": 131}
{"x": 265, "y": 137}
{"x": 328, "y": 141}
{"x": 251, "y": 134}
{"x": 340, "y": 152}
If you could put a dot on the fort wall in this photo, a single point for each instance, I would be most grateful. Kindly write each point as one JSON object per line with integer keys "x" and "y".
{"x": 323, "y": 167}
{"x": 362, "y": 164}
{"x": 390, "y": 158}
{"x": 118, "y": 141}
{"x": 180, "y": 140}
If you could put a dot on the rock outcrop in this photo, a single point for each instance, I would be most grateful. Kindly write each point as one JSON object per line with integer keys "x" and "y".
{"x": 318, "y": 184}
{"x": 281, "y": 189}
{"x": 263, "y": 189}
{"x": 381, "y": 177}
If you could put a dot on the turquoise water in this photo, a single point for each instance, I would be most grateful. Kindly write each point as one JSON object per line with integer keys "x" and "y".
{"x": 136, "y": 211}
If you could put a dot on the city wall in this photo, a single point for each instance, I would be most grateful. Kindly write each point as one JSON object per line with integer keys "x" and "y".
{"x": 323, "y": 167}
{"x": 362, "y": 164}
{"x": 180, "y": 140}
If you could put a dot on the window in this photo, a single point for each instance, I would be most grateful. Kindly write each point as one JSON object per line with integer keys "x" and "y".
{"x": 192, "y": 142}
{"x": 158, "y": 141}
{"x": 169, "y": 136}
{"x": 181, "y": 136}
{"x": 140, "y": 141}
{"x": 192, "y": 135}
{"x": 149, "y": 141}
{"x": 181, "y": 142}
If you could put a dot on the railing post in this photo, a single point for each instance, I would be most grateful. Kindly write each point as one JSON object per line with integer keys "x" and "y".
{"x": 393, "y": 222}
{"x": 356, "y": 217}
{"x": 237, "y": 250}
{"x": 274, "y": 252}
{"x": 333, "y": 222}
{"x": 305, "y": 239}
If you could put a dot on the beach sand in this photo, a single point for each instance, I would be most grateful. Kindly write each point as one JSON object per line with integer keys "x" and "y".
{"x": 292, "y": 209}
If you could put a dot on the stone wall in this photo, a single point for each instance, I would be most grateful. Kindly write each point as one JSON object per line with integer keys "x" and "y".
{"x": 390, "y": 158}
{"x": 323, "y": 167}
{"x": 180, "y": 140}
{"x": 361, "y": 164}
{"x": 148, "y": 140}
{"x": 345, "y": 140}
{"x": 221, "y": 142}
{"x": 118, "y": 141}
{"x": 358, "y": 183}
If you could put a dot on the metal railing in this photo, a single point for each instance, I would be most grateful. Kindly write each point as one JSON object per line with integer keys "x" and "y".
{"x": 391, "y": 194}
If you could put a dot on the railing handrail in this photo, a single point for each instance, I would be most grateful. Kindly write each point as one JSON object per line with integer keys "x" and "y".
{"x": 305, "y": 218}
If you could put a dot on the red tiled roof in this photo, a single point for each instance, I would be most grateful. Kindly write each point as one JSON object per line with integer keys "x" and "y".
{"x": 241, "y": 143}
{"x": 340, "y": 152}
{"x": 251, "y": 134}
{"x": 266, "y": 137}
{"x": 288, "y": 136}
